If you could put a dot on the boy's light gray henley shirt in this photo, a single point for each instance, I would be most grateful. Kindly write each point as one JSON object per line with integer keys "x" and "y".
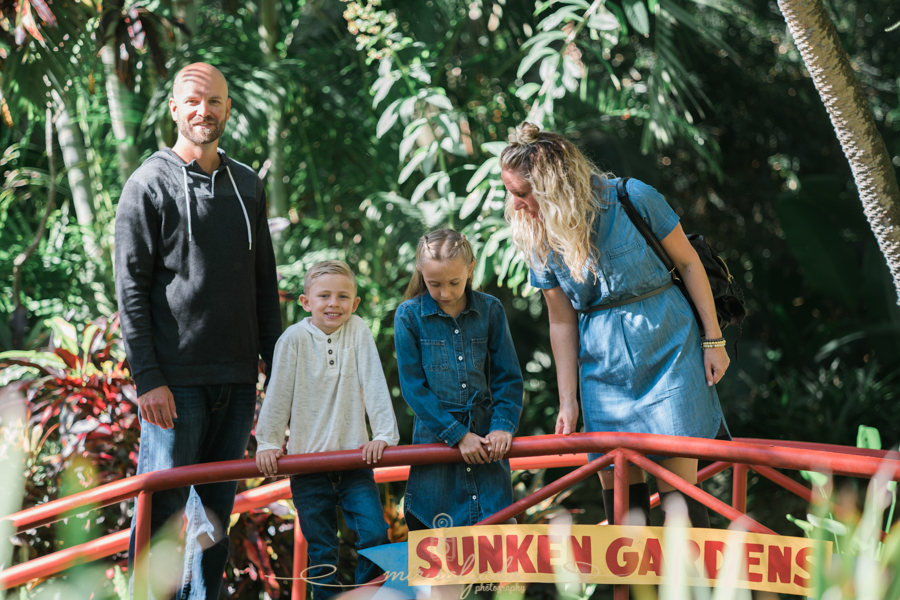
{"x": 325, "y": 385}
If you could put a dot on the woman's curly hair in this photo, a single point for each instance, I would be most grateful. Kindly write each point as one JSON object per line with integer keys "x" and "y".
{"x": 560, "y": 179}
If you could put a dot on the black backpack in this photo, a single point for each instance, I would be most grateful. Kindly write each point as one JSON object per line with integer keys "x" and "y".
{"x": 727, "y": 295}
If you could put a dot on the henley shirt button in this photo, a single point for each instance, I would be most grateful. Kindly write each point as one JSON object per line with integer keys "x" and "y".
{"x": 330, "y": 362}
{"x": 464, "y": 386}
{"x": 331, "y": 352}
{"x": 329, "y": 340}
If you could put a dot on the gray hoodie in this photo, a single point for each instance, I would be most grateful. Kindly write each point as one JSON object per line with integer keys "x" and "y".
{"x": 195, "y": 273}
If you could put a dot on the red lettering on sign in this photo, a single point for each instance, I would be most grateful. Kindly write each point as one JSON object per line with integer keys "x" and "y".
{"x": 693, "y": 556}
{"x": 582, "y": 553}
{"x": 711, "y": 552}
{"x": 490, "y": 554}
{"x": 751, "y": 561}
{"x": 460, "y": 565}
{"x": 779, "y": 564}
{"x": 516, "y": 554}
{"x": 652, "y": 559}
{"x": 612, "y": 558}
{"x": 546, "y": 547}
{"x": 803, "y": 563}
{"x": 433, "y": 560}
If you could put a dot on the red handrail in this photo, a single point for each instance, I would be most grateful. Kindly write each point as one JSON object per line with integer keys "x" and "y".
{"x": 51, "y": 564}
{"x": 527, "y": 452}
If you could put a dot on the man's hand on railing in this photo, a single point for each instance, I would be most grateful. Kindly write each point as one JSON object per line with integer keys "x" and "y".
{"x": 267, "y": 461}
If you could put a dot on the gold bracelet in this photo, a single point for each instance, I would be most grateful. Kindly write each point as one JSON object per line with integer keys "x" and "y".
{"x": 707, "y": 343}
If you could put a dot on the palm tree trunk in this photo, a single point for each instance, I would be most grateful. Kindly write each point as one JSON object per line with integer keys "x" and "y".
{"x": 119, "y": 102}
{"x": 829, "y": 66}
{"x": 71, "y": 142}
{"x": 278, "y": 196}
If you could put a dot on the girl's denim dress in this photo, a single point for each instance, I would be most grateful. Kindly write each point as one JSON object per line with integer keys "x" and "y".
{"x": 458, "y": 375}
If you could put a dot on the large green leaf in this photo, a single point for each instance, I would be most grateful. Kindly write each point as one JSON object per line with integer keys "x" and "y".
{"x": 637, "y": 15}
{"x": 388, "y": 118}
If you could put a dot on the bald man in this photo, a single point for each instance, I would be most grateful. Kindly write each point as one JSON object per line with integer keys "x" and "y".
{"x": 198, "y": 303}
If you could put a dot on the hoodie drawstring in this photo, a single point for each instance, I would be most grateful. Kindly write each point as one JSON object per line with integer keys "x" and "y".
{"x": 241, "y": 202}
{"x": 187, "y": 200}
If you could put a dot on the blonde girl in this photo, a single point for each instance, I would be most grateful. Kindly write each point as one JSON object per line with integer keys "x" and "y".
{"x": 460, "y": 375}
{"x": 618, "y": 329}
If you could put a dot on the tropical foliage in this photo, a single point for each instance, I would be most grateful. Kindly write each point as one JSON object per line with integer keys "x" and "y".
{"x": 375, "y": 122}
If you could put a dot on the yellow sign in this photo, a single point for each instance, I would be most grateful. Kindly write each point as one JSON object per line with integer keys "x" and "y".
{"x": 611, "y": 554}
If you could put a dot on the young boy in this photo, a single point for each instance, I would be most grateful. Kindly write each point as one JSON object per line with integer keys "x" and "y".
{"x": 321, "y": 367}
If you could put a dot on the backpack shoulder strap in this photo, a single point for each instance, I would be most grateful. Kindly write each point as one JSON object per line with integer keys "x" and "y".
{"x": 652, "y": 240}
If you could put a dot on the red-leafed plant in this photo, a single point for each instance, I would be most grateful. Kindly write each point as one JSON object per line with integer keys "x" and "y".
{"x": 80, "y": 414}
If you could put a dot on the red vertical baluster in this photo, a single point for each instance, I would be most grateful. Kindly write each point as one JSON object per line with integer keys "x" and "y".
{"x": 298, "y": 585}
{"x": 621, "y": 509}
{"x": 739, "y": 487}
{"x": 142, "y": 545}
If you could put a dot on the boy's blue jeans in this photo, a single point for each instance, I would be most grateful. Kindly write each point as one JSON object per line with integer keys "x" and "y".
{"x": 213, "y": 424}
{"x": 316, "y": 497}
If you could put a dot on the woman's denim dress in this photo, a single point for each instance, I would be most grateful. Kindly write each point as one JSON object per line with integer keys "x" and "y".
{"x": 640, "y": 365}
{"x": 458, "y": 375}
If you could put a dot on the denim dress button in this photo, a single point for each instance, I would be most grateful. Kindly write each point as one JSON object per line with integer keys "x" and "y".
{"x": 464, "y": 386}
{"x": 459, "y": 358}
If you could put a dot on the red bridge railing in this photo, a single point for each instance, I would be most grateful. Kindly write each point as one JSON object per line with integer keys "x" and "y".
{"x": 620, "y": 449}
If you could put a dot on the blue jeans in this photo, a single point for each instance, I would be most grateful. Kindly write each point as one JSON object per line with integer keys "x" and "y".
{"x": 316, "y": 496}
{"x": 213, "y": 424}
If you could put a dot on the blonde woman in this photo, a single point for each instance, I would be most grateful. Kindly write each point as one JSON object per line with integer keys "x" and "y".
{"x": 629, "y": 340}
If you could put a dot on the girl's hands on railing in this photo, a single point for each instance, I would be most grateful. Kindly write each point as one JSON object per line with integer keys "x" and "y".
{"x": 267, "y": 461}
{"x": 498, "y": 444}
{"x": 472, "y": 449}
